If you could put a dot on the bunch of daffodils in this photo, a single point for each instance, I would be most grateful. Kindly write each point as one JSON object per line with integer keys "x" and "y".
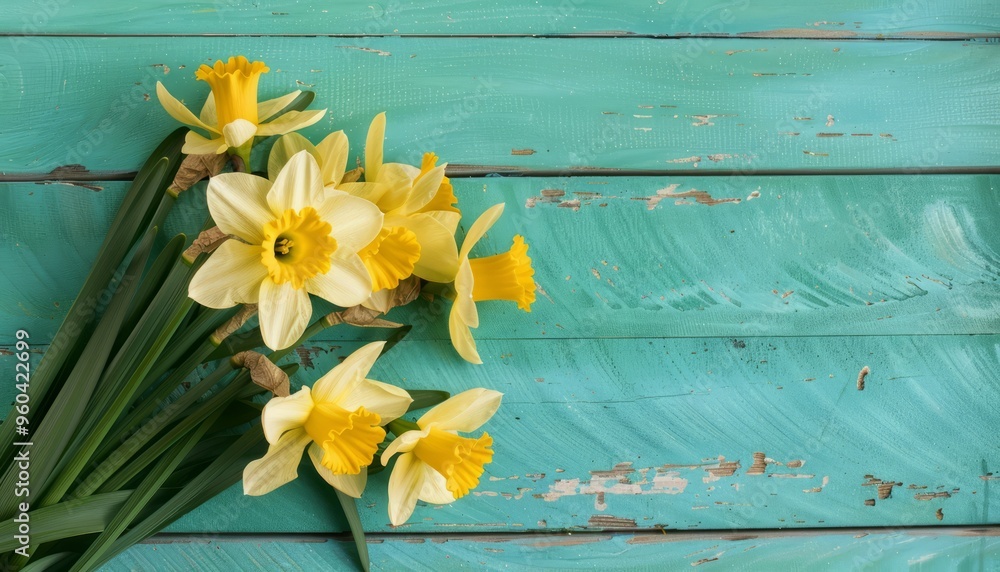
{"x": 150, "y": 404}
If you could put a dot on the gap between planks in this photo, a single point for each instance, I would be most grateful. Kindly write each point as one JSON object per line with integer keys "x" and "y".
{"x": 803, "y": 34}
{"x": 460, "y": 171}
{"x": 641, "y": 535}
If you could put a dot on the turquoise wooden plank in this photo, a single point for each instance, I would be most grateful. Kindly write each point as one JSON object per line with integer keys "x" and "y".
{"x": 692, "y": 433}
{"x": 848, "y": 18}
{"x": 633, "y": 256}
{"x": 930, "y": 550}
{"x": 524, "y": 103}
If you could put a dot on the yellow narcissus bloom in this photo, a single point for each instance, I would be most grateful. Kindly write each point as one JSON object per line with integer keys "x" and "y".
{"x": 231, "y": 115}
{"x": 436, "y": 464}
{"x": 293, "y": 238}
{"x": 418, "y": 233}
{"x": 505, "y": 276}
{"x": 340, "y": 419}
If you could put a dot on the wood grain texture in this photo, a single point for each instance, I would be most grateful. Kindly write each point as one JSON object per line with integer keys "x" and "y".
{"x": 633, "y": 256}
{"x": 719, "y": 104}
{"x": 710, "y": 433}
{"x": 928, "y": 550}
{"x": 848, "y": 18}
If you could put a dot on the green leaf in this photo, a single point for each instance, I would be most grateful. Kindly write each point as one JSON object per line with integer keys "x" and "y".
{"x": 424, "y": 398}
{"x": 151, "y": 284}
{"x": 225, "y": 471}
{"x": 144, "y": 191}
{"x": 138, "y": 499}
{"x": 66, "y": 519}
{"x": 51, "y": 562}
{"x": 349, "y": 504}
{"x": 59, "y": 425}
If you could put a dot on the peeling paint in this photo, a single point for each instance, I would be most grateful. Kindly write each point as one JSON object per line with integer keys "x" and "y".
{"x": 721, "y": 469}
{"x": 522, "y": 151}
{"x": 623, "y": 479}
{"x": 608, "y": 521}
{"x": 884, "y": 488}
{"x": 861, "y": 377}
{"x": 366, "y": 49}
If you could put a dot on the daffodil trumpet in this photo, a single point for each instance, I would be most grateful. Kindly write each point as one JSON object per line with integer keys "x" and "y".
{"x": 232, "y": 115}
{"x": 505, "y": 276}
{"x": 339, "y": 419}
{"x": 435, "y": 464}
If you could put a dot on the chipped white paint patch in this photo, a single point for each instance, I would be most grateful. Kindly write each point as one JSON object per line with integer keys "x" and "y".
{"x": 621, "y": 480}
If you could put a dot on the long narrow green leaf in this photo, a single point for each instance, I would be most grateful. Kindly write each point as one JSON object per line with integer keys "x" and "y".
{"x": 138, "y": 499}
{"x": 144, "y": 191}
{"x": 394, "y": 338}
{"x": 224, "y": 472}
{"x": 424, "y": 398}
{"x": 66, "y": 519}
{"x": 349, "y": 504}
{"x": 150, "y": 429}
{"x": 190, "y": 421}
{"x": 57, "y": 561}
{"x": 125, "y": 373}
{"x": 151, "y": 284}
{"x": 59, "y": 425}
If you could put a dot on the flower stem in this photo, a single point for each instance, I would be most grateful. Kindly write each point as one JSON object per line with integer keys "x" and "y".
{"x": 400, "y": 426}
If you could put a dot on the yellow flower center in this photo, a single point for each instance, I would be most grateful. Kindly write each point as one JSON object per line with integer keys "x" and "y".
{"x": 349, "y": 438}
{"x": 444, "y": 199}
{"x": 459, "y": 459}
{"x": 505, "y": 276}
{"x": 234, "y": 85}
{"x": 297, "y": 247}
{"x": 390, "y": 257}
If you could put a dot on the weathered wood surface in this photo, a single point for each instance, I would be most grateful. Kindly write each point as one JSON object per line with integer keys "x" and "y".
{"x": 634, "y": 256}
{"x": 847, "y": 18}
{"x": 721, "y": 104}
{"x": 926, "y": 550}
{"x": 709, "y": 433}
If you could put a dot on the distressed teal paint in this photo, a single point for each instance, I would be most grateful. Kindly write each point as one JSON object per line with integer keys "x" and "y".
{"x": 602, "y": 434}
{"x": 861, "y": 550}
{"x": 847, "y": 18}
{"x": 539, "y": 103}
{"x": 635, "y": 257}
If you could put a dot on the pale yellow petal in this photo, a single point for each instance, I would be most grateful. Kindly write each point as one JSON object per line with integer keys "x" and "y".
{"x": 424, "y": 189}
{"x": 340, "y": 381}
{"x": 449, "y": 219}
{"x": 346, "y": 284}
{"x": 333, "y": 151}
{"x": 177, "y": 110}
{"x": 479, "y": 228}
{"x": 435, "y": 490}
{"x": 238, "y": 132}
{"x": 398, "y": 181}
{"x": 284, "y": 313}
{"x": 284, "y": 148}
{"x": 238, "y": 203}
{"x": 285, "y": 413}
{"x": 388, "y": 401}
{"x": 373, "y": 147}
{"x": 196, "y": 144}
{"x": 461, "y": 338}
{"x": 403, "y": 444}
{"x": 232, "y": 275}
{"x": 279, "y": 466}
{"x": 371, "y": 192}
{"x": 438, "y": 260}
{"x": 350, "y": 485}
{"x": 297, "y": 186}
{"x": 380, "y": 300}
{"x": 291, "y": 121}
{"x": 464, "y": 412}
{"x": 465, "y": 305}
{"x": 356, "y": 222}
{"x": 209, "y": 115}
{"x": 267, "y": 109}
{"x": 405, "y": 484}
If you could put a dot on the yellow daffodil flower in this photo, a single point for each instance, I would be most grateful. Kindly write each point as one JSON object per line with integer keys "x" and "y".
{"x": 231, "y": 115}
{"x": 294, "y": 238}
{"x": 340, "y": 419}
{"x": 418, "y": 233}
{"x": 505, "y": 276}
{"x": 436, "y": 464}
